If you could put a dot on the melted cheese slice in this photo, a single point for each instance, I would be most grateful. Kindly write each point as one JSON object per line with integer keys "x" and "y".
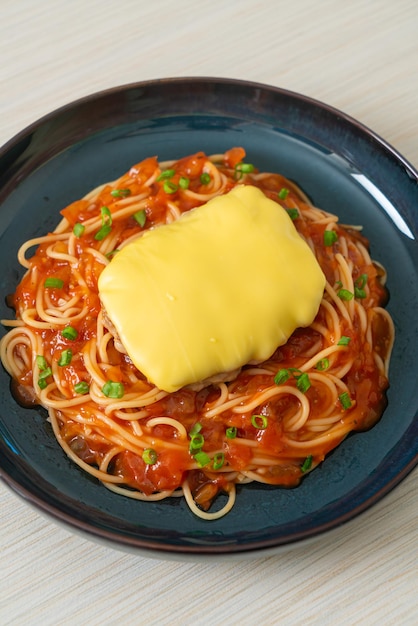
{"x": 225, "y": 284}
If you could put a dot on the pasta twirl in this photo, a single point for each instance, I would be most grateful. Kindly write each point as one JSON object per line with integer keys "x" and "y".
{"x": 271, "y": 422}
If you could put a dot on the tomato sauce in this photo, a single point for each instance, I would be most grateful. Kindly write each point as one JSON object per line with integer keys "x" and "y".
{"x": 268, "y": 439}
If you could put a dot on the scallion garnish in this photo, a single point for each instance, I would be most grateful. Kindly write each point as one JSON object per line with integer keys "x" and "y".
{"x": 302, "y": 379}
{"x": 359, "y": 285}
{"x": 243, "y": 168}
{"x": 345, "y": 400}
{"x": 82, "y": 387}
{"x": 149, "y": 456}
{"x": 79, "y": 229}
{"x": 112, "y": 389}
{"x": 41, "y": 362}
{"x": 322, "y": 365}
{"x": 344, "y": 294}
{"x": 196, "y": 428}
{"x": 281, "y": 377}
{"x": 196, "y": 443}
{"x": 359, "y": 293}
{"x": 69, "y": 332}
{"x": 202, "y": 459}
{"x": 109, "y": 255}
{"x": 66, "y": 357}
{"x": 330, "y": 237}
{"x": 293, "y": 214}
{"x": 344, "y": 341}
{"x": 231, "y": 432}
{"x": 218, "y": 460}
{"x": 120, "y": 193}
{"x": 302, "y": 382}
{"x": 184, "y": 182}
{"x": 165, "y": 175}
{"x": 259, "y": 421}
{"x": 53, "y": 283}
{"x": 205, "y": 178}
{"x": 140, "y": 217}
{"x": 42, "y": 383}
{"x": 307, "y": 464}
{"x": 283, "y": 193}
{"x": 45, "y": 373}
{"x": 170, "y": 187}
{"x": 106, "y": 224}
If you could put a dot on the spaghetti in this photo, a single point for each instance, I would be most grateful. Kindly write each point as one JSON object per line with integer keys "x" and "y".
{"x": 273, "y": 423}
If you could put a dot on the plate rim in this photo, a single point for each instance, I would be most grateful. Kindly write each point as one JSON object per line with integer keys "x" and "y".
{"x": 309, "y": 100}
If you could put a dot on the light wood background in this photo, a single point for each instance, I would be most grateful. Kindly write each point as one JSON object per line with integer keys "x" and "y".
{"x": 361, "y": 57}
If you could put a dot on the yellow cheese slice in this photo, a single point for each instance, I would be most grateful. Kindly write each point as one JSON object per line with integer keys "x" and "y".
{"x": 225, "y": 284}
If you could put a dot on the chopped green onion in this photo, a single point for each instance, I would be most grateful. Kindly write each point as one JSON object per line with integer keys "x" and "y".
{"x": 120, "y": 193}
{"x": 231, "y": 432}
{"x": 166, "y": 174}
{"x": 246, "y": 168}
{"x": 65, "y": 358}
{"x": 359, "y": 293}
{"x": 302, "y": 379}
{"x": 79, "y": 229}
{"x": 149, "y": 456}
{"x": 345, "y": 400}
{"x": 184, "y": 182}
{"x": 196, "y": 428}
{"x": 69, "y": 333}
{"x": 54, "y": 283}
{"x": 113, "y": 389}
{"x": 322, "y": 365}
{"x": 205, "y": 178}
{"x": 43, "y": 376}
{"x": 82, "y": 387}
{"x": 282, "y": 376}
{"x": 41, "y": 362}
{"x": 218, "y": 460}
{"x": 360, "y": 283}
{"x": 109, "y": 255}
{"x": 196, "y": 443}
{"x": 170, "y": 187}
{"x": 307, "y": 464}
{"x": 303, "y": 383}
{"x": 330, "y": 237}
{"x": 344, "y": 341}
{"x": 45, "y": 373}
{"x": 344, "y": 294}
{"x": 259, "y": 421}
{"x": 243, "y": 168}
{"x": 283, "y": 193}
{"x": 140, "y": 217}
{"x": 202, "y": 459}
{"x": 106, "y": 224}
{"x": 293, "y": 214}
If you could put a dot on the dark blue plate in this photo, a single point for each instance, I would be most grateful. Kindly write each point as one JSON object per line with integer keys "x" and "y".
{"x": 344, "y": 167}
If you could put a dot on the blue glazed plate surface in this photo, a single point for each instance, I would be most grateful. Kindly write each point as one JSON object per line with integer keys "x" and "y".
{"x": 345, "y": 168}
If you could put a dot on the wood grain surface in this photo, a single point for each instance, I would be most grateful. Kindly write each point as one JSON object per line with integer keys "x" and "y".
{"x": 361, "y": 57}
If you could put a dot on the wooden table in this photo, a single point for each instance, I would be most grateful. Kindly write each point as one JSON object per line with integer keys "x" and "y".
{"x": 361, "y": 57}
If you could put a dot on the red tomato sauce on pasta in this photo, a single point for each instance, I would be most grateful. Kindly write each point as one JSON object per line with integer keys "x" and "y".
{"x": 273, "y": 423}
